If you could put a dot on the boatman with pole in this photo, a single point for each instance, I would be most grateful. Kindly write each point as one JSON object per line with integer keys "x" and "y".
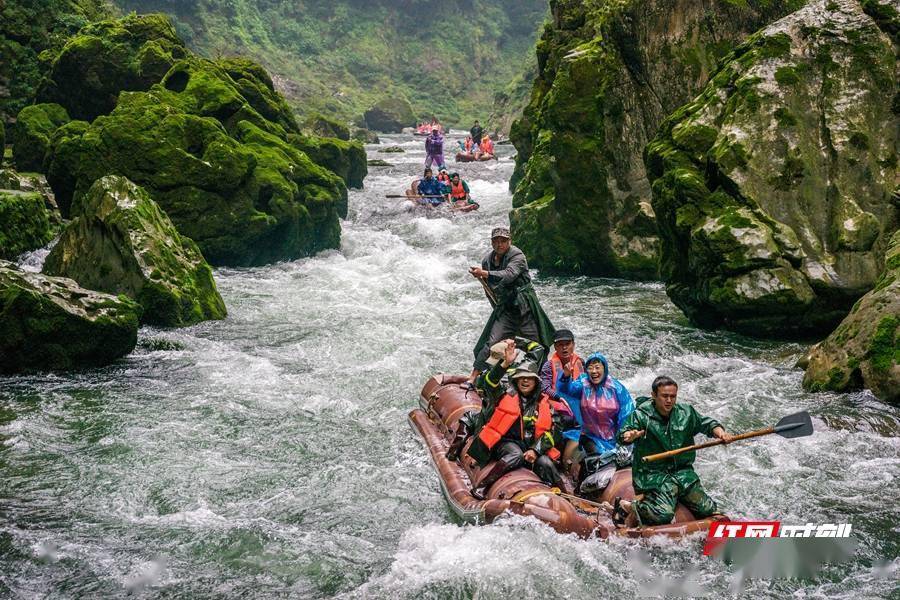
{"x": 507, "y": 284}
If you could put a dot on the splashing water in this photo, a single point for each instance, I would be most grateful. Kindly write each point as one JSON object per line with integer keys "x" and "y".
{"x": 268, "y": 455}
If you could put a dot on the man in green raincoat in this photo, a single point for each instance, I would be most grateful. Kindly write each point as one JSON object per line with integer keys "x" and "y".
{"x": 517, "y": 312}
{"x": 657, "y": 426}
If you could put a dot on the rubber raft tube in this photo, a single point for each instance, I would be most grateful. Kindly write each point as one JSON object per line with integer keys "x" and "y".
{"x": 443, "y": 401}
{"x": 469, "y": 157}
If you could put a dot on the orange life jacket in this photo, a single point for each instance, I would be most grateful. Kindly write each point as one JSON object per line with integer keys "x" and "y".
{"x": 508, "y": 413}
{"x": 457, "y": 192}
{"x": 487, "y": 146}
{"x": 556, "y": 369}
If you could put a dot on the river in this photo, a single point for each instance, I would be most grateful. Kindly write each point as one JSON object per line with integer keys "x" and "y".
{"x": 268, "y": 455}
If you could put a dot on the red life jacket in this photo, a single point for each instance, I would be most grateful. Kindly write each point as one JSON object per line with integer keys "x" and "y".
{"x": 457, "y": 192}
{"x": 487, "y": 146}
{"x": 556, "y": 368}
{"x": 508, "y": 413}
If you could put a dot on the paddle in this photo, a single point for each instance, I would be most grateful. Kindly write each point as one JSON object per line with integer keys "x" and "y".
{"x": 792, "y": 426}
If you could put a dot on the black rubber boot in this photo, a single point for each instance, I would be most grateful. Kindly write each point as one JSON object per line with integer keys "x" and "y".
{"x": 459, "y": 440}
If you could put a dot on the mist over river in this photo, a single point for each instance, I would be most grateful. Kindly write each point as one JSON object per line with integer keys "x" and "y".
{"x": 268, "y": 455}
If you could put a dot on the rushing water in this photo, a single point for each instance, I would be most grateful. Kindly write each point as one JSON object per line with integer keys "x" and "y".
{"x": 268, "y": 455}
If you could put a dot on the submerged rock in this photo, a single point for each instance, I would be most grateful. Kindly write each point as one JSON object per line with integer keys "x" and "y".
{"x": 365, "y": 136}
{"x": 25, "y": 222}
{"x": 50, "y": 323}
{"x": 346, "y": 159}
{"x": 107, "y": 57}
{"x": 390, "y": 115}
{"x": 864, "y": 350}
{"x": 122, "y": 243}
{"x": 222, "y": 171}
{"x": 392, "y": 150}
{"x": 606, "y": 79}
{"x": 35, "y": 126}
{"x": 377, "y": 162}
{"x": 773, "y": 187}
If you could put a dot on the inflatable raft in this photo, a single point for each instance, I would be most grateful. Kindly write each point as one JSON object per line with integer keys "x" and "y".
{"x": 469, "y": 157}
{"x": 443, "y": 401}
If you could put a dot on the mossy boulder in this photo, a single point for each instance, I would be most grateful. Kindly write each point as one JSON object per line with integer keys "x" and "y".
{"x": 772, "y": 188}
{"x": 390, "y": 115}
{"x": 35, "y": 125}
{"x": 122, "y": 243}
{"x": 2, "y": 140}
{"x": 365, "y": 136}
{"x": 25, "y": 222}
{"x": 51, "y": 323}
{"x": 323, "y": 126}
{"x": 608, "y": 74}
{"x": 224, "y": 173}
{"x": 107, "y": 57}
{"x": 864, "y": 350}
{"x": 346, "y": 159}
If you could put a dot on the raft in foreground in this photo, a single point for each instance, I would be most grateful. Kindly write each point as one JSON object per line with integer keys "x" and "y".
{"x": 520, "y": 492}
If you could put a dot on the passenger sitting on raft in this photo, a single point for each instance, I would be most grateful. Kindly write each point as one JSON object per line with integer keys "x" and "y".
{"x": 459, "y": 192}
{"x": 505, "y": 357}
{"x": 601, "y": 404}
{"x": 520, "y": 431}
{"x": 430, "y": 187}
{"x": 486, "y": 148}
{"x": 658, "y": 426}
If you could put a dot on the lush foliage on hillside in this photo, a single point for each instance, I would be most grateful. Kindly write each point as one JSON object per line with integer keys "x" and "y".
{"x": 338, "y": 57}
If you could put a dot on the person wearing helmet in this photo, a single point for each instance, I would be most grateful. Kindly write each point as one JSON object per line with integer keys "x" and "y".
{"x": 601, "y": 404}
{"x": 520, "y": 433}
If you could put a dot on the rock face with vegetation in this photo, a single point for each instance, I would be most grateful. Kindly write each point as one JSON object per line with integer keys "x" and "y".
{"x": 773, "y": 187}
{"x": 346, "y": 159}
{"x": 390, "y": 115}
{"x": 210, "y": 145}
{"x": 35, "y": 126}
{"x": 108, "y": 57}
{"x": 25, "y": 223}
{"x": 338, "y": 58}
{"x": 608, "y": 73}
{"x": 31, "y": 34}
{"x": 122, "y": 243}
{"x": 323, "y": 126}
{"x": 50, "y": 323}
{"x": 864, "y": 351}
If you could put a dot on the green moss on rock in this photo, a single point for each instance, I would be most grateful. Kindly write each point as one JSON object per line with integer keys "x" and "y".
{"x": 107, "y": 57}
{"x": 390, "y": 115}
{"x": 608, "y": 74}
{"x": 35, "y": 126}
{"x": 50, "y": 323}
{"x": 122, "y": 243}
{"x": 773, "y": 236}
{"x": 865, "y": 347}
{"x": 25, "y": 223}
{"x": 323, "y": 126}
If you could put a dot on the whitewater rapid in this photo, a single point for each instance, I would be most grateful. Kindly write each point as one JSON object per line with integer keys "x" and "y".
{"x": 268, "y": 455}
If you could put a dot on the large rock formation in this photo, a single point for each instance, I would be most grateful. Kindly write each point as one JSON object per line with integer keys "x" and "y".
{"x": 607, "y": 77}
{"x": 107, "y": 57}
{"x": 323, "y": 126}
{"x": 25, "y": 222}
{"x": 773, "y": 187}
{"x": 864, "y": 351}
{"x": 35, "y": 126}
{"x": 50, "y": 323}
{"x": 346, "y": 159}
{"x": 221, "y": 169}
{"x": 390, "y": 115}
{"x": 122, "y": 243}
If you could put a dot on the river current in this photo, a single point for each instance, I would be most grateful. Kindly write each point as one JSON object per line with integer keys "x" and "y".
{"x": 269, "y": 455}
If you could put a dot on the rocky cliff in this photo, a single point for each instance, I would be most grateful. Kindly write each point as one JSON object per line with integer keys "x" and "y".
{"x": 773, "y": 188}
{"x": 609, "y": 73}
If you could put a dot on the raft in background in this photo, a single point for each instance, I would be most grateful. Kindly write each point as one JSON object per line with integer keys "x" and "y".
{"x": 470, "y": 157}
{"x": 443, "y": 401}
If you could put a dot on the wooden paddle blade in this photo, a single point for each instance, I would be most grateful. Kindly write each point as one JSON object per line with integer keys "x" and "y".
{"x": 794, "y": 426}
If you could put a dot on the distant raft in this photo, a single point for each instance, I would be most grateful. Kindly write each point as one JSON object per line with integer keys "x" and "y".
{"x": 470, "y": 157}
{"x": 443, "y": 401}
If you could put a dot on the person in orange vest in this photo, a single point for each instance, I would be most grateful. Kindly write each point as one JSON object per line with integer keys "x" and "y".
{"x": 459, "y": 192}
{"x": 521, "y": 432}
{"x": 485, "y": 148}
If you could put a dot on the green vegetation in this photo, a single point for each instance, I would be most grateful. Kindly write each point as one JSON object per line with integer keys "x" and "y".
{"x": 449, "y": 57}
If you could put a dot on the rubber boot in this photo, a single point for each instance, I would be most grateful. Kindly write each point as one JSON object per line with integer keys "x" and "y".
{"x": 499, "y": 469}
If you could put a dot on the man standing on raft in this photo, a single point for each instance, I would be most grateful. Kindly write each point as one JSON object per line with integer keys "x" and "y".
{"x": 507, "y": 284}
